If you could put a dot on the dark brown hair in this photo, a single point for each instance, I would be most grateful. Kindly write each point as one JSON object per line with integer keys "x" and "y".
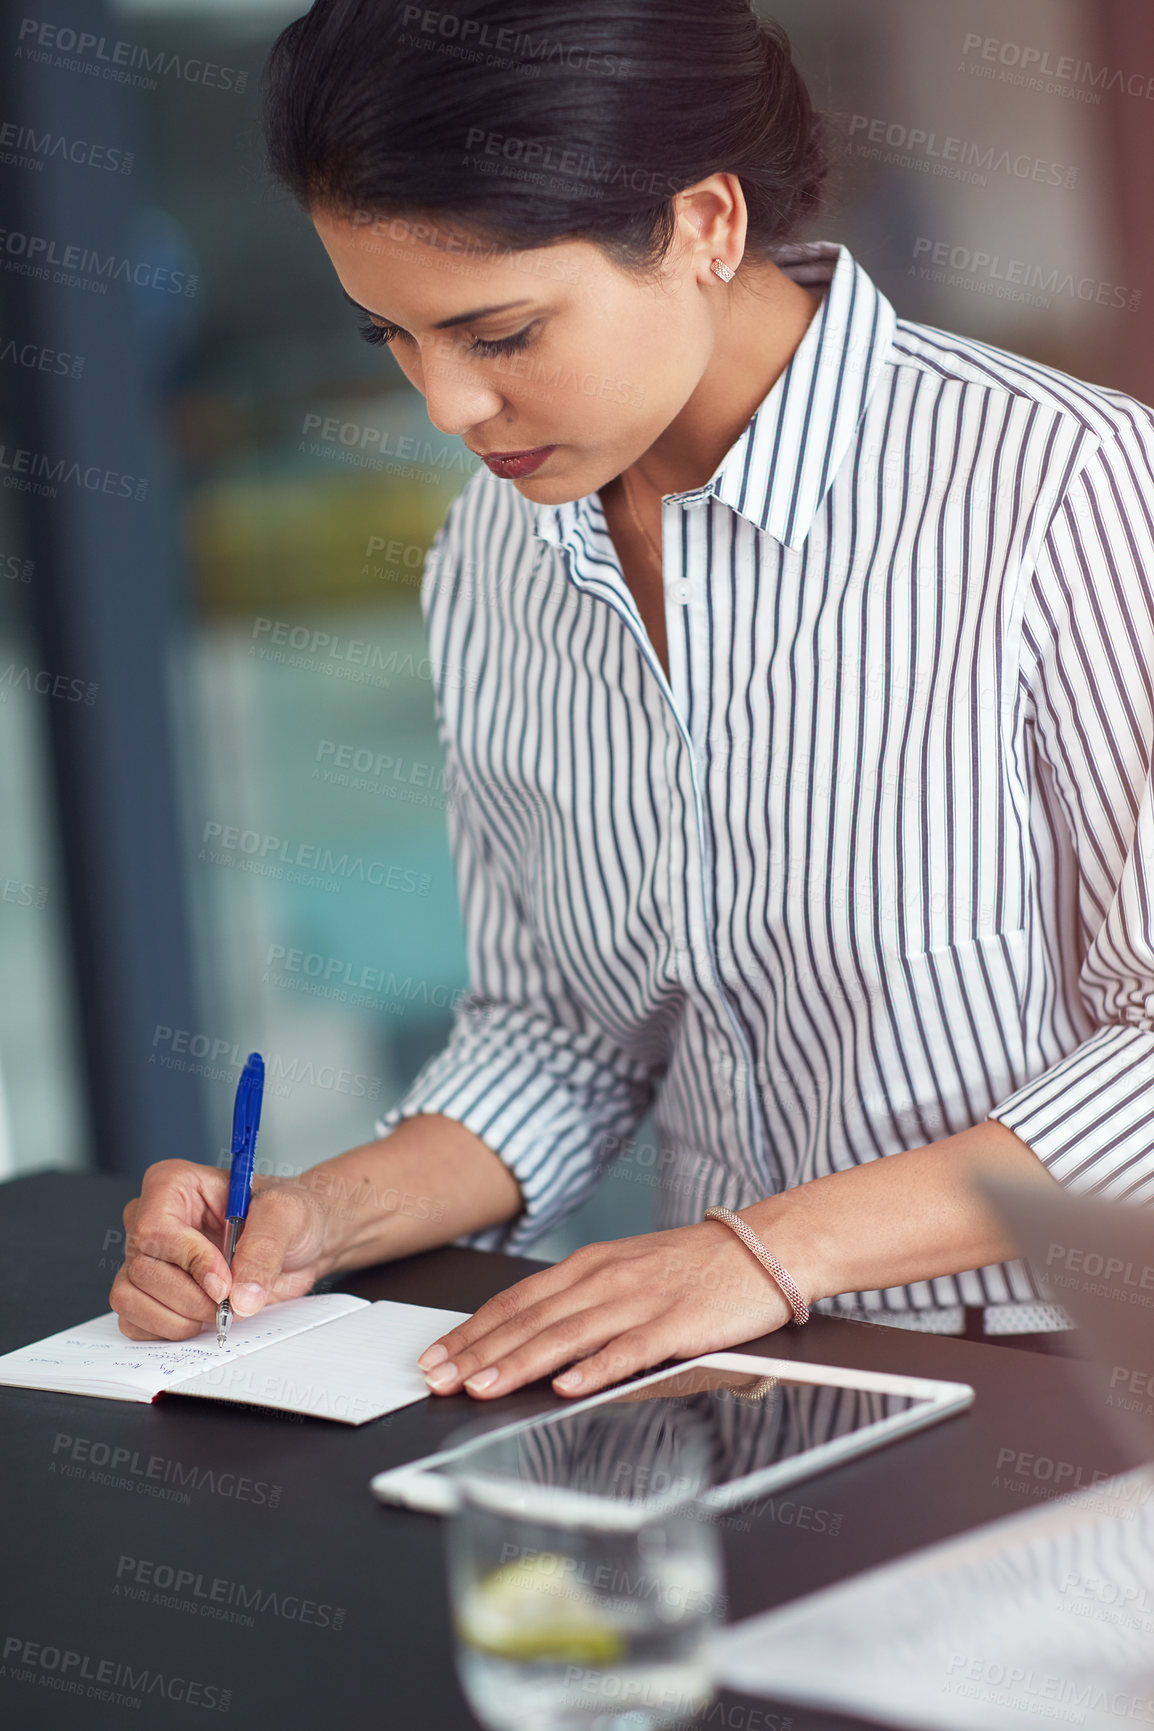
{"x": 529, "y": 122}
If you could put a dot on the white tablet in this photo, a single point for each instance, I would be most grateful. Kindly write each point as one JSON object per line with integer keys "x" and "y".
{"x": 771, "y": 1421}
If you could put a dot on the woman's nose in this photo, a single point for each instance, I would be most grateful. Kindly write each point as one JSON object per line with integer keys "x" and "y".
{"x": 457, "y": 396}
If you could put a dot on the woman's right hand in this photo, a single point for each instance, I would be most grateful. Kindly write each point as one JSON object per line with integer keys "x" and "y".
{"x": 174, "y": 1272}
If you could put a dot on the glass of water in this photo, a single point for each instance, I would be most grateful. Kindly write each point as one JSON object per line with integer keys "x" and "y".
{"x": 584, "y": 1574}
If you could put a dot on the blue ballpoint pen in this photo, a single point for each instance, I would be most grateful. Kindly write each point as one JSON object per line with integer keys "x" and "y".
{"x": 245, "y": 1123}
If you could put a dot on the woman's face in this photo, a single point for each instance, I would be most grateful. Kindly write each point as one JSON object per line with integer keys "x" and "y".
{"x": 556, "y": 346}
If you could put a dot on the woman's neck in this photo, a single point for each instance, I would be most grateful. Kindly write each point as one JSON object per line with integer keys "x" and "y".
{"x": 755, "y": 344}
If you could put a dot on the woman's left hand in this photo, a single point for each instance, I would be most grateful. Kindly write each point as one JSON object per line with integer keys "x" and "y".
{"x": 609, "y": 1311}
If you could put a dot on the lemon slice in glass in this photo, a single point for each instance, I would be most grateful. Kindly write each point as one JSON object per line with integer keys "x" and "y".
{"x": 534, "y": 1609}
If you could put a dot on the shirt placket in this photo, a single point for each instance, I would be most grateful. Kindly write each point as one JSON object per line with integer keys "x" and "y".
{"x": 688, "y": 862}
{"x": 617, "y": 596}
{"x": 691, "y": 863}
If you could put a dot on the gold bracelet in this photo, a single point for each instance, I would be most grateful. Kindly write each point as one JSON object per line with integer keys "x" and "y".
{"x": 790, "y": 1289}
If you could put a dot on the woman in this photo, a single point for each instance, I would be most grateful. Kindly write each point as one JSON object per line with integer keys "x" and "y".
{"x": 802, "y": 653}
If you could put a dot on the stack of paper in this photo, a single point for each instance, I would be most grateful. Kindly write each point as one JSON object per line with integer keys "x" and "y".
{"x": 1043, "y": 1617}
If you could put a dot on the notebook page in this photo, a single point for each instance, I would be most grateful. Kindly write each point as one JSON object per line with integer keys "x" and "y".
{"x": 95, "y": 1358}
{"x": 352, "y": 1371}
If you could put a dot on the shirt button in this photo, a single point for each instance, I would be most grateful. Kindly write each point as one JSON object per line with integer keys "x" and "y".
{"x": 679, "y": 592}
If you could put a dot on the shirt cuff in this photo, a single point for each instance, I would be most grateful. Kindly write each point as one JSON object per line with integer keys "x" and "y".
{"x": 548, "y": 1100}
{"x": 1090, "y": 1118}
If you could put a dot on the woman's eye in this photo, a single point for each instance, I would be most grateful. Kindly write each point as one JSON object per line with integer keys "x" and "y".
{"x": 374, "y": 333}
{"x": 504, "y": 346}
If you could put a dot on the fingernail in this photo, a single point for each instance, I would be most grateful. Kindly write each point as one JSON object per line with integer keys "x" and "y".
{"x": 570, "y": 1379}
{"x": 442, "y": 1376}
{"x": 216, "y": 1288}
{"x": 432, "y": 1355}
{"x": 247, "y": 1298}
{"x": 482, "y": 1380}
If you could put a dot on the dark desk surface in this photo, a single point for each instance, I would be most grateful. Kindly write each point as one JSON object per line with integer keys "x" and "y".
{"x": 280, "y": 1504}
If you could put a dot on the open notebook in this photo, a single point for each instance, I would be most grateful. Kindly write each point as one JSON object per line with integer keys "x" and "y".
{"x": 330, "y": 1356}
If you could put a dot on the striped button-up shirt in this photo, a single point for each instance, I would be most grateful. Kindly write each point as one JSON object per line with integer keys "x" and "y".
{"x": 877, "y": 860}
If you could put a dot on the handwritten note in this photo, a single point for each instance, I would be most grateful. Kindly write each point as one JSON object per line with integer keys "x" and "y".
{"x": 352, "y": 1371}
{"x": 96, "y": 1358}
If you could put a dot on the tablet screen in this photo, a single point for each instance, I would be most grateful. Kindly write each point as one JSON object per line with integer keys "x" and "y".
{"x": 752, "y": 1422}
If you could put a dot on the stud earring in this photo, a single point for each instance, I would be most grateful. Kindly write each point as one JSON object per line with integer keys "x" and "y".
{"x": 719, "y": 268}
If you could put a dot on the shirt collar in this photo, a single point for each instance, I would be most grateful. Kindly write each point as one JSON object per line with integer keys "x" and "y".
{"x": 779, "y": 469}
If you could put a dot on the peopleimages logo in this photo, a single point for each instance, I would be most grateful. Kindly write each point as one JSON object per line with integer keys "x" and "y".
{"x": 368, "y": 446}
{"x": 49, "y": 260}
{"x": 24, "y": 895}
{"x": 365, "y": 978}
{"x": 1013, "y": 279}
{"x": 23, "y": 147}
{"x": 1045, "y": 1476}
{"x": 348, "y": 657}
{"x": 1045, "y": 1693}
{"x": 1026, "y": 65}
{"x": 36, "y": 357}
{"x": 120, "y": 1468}
{"x": 881, "y": 140}
{"x": 221, "y": 1060}
{"x": 1127, "y": 1604}
{"x": 73, "y": 1673}
{"x": 14, "y": 568}
{"x": 46, "y": 684}
{"x": 69, "y": 50}
{"x": 44, "y": 474}
{"x": 141, "y": 1578}
{"x": 269, "y": 855}
{"x": 571, "y": 162}
{"x": 504, "y": 43}
{"x": 1076, "y": 1259}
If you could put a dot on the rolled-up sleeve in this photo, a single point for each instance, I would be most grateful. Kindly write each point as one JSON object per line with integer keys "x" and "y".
{"x": 526, "y": 1069}
{"x": 1087, "y": 672}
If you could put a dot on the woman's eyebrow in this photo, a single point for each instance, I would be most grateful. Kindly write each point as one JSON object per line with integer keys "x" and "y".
{"x": 478, "y": 313}
{"x": 457, "y": 319}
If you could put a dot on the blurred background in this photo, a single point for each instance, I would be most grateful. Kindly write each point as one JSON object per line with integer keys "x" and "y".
{"x": 221, "y": 793}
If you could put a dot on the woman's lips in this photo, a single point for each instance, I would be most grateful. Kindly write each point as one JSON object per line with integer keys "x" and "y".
{"x": 517, "y": 464}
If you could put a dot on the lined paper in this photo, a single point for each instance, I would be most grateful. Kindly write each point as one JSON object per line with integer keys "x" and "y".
{"x": 352, "y": 1371}
{"x": 95, "y": 1358}
{"x": 331, "y": 1356}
